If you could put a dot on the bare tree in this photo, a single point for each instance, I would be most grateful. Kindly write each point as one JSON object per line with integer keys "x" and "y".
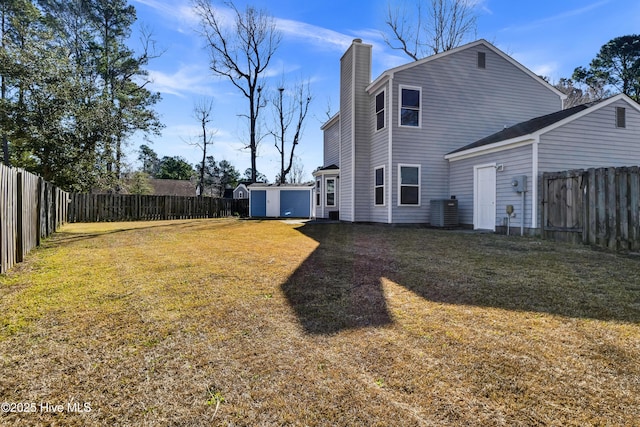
{"x": 578, "y": 93}
{"x": 297, "y": 171}
{"x": 444, "y": 25}
{"x": 290, "y": 110}
{"x": 241, "y": 51}
{"x": 202, "y": 111}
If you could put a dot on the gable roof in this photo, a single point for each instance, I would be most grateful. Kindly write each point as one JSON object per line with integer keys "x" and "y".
{"x": 529, "y": 129}
{"x": 525, "y": 128}
{"x": 390, "y": 72}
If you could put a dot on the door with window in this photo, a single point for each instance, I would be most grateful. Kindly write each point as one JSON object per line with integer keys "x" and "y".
{"x": 484, "y": 195}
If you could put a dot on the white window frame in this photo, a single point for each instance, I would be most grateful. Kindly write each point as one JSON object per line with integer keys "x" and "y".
{"x": 383, "y": 92}
{"x": 318, "y": 192}
{"x": 326, "y": 192}
{"x": 400, "y": 185}
{"x": 375, "y": 186}
{"x": 416, "y": 88}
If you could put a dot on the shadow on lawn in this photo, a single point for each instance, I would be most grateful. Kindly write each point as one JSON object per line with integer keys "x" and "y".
{"x": 339, "y": 286}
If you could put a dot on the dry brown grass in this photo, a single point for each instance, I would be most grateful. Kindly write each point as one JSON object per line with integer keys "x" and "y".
{"x": 228, "y": 322}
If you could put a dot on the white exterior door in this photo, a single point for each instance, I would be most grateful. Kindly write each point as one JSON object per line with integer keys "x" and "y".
{"x": 273, "y": 203}
{"x": 484, "y": 197}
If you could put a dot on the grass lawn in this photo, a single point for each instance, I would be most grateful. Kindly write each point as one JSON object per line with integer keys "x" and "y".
{"x": 231, "y": 322}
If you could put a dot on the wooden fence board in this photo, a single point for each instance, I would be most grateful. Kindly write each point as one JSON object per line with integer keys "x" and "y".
{"x": 600, "y": 206}
{"x": 30, "y": 209}
{"x": 127, "y": 207}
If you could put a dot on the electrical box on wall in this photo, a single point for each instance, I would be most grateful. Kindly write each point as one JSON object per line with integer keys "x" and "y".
{"x": 519, "y": 183}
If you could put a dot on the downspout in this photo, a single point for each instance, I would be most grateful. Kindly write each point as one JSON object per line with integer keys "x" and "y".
{"x": 534, "y": 183}
{"x": 390, "y": 154}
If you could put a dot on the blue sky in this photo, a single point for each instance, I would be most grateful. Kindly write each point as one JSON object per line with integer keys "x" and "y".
{"x": 549, "y": 37}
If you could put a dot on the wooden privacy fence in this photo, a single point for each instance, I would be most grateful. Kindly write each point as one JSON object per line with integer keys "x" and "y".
{"x": 595, "y": 206}
{"x": 130, "y": 207}
{"x": 30, "y": 209}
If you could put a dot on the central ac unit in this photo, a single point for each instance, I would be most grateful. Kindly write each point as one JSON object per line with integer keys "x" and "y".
{"x": 444, "y": 213}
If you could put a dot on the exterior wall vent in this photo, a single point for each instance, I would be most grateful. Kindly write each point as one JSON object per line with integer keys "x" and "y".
{"x": 444, "y": 213}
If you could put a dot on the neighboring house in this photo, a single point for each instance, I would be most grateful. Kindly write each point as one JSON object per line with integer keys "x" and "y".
{"x": 241, "y": 191}
{"x": 173, "y": 187}
{"x": 408, "y": 137}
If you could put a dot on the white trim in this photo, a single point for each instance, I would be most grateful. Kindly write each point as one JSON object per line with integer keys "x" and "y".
{"x": 406, "y": 165}
{"x": 325, "y": 192}
{"x": 318, "y": 193}
{"x": 390, "y": 153}
{"x": 384, "y": 186}
{"x": 384, "y": 111}
{"x": 475, "y": 193}
{"x": 409, "y": 87}
{"x": 331, "y": 121}
{"x": 491, "y": 148}
{"x": 352, "y": 195}
{"x": 534, "y": 183}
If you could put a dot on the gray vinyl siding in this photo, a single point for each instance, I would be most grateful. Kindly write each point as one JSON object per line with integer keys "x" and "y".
{"x": 460, "y": 104}
{"x": 332, "y": 144}
{"x": 379, "y": 157}
{"x": 591, "y": 141}
{"x": 346, "y": 119}
{"x": 363, "y": 197}
{"x": 515, "y": 162}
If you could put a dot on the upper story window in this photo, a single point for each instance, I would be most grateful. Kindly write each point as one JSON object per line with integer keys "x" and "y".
{"x": 380, "y": 111}
{"x": 621, "y": 117}
{"x": 410, "y": 106}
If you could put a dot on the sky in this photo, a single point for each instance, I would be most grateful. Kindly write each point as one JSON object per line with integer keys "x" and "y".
{"x": 550, "y": 37}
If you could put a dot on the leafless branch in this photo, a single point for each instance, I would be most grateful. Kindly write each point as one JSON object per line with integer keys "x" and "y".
{"x": 419, "y": 33}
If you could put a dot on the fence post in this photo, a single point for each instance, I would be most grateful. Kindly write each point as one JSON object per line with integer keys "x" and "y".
{"x": 623, "y": 207}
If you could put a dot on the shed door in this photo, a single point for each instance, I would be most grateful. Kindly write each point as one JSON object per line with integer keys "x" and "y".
{"x": 258, "y": 201}
{"x": 273, "y": 203}
{"x": 484, "y": 197}
{"x": 295, "y": 203}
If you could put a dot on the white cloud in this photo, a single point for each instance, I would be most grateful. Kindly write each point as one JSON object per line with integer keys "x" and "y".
{"x": 559, "y": 17}
{"x": 188, "y": 79}
{"x": 174, "y": 10}
{"x": 318, "y": 36}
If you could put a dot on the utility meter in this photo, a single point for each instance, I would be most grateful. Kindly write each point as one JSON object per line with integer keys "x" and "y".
{"x": 519, "y": 183}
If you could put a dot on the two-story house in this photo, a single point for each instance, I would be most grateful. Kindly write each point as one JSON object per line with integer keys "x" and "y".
{"x": 447, "y": 126}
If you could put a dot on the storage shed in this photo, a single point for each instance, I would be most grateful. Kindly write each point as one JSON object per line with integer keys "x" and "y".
{"x": 280, "y": 201}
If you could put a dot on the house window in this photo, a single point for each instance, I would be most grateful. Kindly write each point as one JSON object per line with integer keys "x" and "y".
{"x": 621, "y": 117}
{"x": 240, "y": 195}
{"x": 380, "y": 111}
{"x": 409, "y": 185}
{"x": 331, "y": 192}
{"x": 318, "y": 193}
{"x": 482, "y": 60}
{"x": 379, "y": 186}
{"x": 410, "y": 106}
